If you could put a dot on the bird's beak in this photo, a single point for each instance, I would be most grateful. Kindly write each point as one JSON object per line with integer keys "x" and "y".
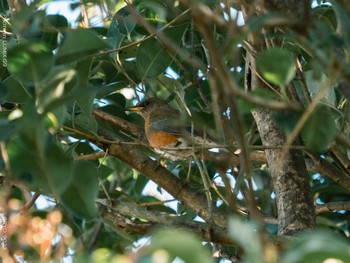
{"x": 135, "y": 108}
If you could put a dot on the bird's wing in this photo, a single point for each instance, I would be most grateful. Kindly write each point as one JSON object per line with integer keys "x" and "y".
{"x": 167, "y": 120}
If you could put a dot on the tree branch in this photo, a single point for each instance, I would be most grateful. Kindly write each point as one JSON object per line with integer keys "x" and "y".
{"x": 121, "y": 214}
{"x": 166, "y": 180}
{"x": 332, "y": 207}
{"x": 317, "y": 164}
{"x": 119, "y": 122}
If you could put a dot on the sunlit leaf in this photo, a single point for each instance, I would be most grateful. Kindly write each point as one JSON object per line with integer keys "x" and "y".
{"x": 276, "y": 65}
{"x": 30, "y": 62}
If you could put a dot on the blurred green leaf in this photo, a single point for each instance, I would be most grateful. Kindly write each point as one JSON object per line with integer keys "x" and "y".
{"x": 320, "y": 129}
{"x": 139, "y": 184}
{"x": 152, "y": 58}
{"x": 83, "y": 70}
{"x": 314, "y": 84}
{"x": 15, "y": 91}
{"x": 60, "y": 83}
{"x": 52, "y": 25}
{"x": 30, "y": 62}
{"x": 265, "y": 94}
{"x": 79, "y": 198}
{"x": 85, "y": 123}
{"x": 78, "y": 44}
{"x": 49, "y": 171}
{"x": 343, "y": 21}
{"x": 246, "y": 234}
{"x": 317, "y": 247}
{"x": 6, "y": 129}
{"x": 286, "y": 120}
{"x": 182, "y": 244}
{"x": 276, "y": 66}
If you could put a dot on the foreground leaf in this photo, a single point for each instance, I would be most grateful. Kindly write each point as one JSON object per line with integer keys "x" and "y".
{"x": 79, "y": 198}
{"x": 276, "y": 65}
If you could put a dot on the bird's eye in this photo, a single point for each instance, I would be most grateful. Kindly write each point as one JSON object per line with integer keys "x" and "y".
{"x": 146, "y": 103}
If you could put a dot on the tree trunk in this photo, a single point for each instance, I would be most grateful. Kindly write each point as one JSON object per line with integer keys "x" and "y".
{"x": 295, "y": 206}
{"x": 290, "y": 179}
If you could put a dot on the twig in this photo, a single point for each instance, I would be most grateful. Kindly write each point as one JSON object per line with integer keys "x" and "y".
{"x": 119, "y": 123}
{"x": 90, "y": 157}
{"x": 205, "y": 179}
{"x": 147, "y": 37}
{"x": 332, "y": 207}
{"x": 31, "y": 202}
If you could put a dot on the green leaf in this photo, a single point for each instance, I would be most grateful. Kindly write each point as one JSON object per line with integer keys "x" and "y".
{"x": 314, "y": 84}
{"x": 152, "y": 59}
{"x": 6, "y": 129}
{"x": 246, "y": 106}
{"x": 57, "y": 86}
{"x": 125, "y": 21}
{"x": 79, "y": 198}
{"x": 52, "y": 25}
{"x": 15, "y": 91}
{"x": 49, "y": 171}
{"x": 109, "y": 89}
{"x": 320, "y": 129}
{"x": 83, "y": 70}
{"x": 317, "y": 247}
{"x": 30, "y": 62}
{"x": 182, "y": 244}
{"x": 286, "y": 120}
{"x": 85, "y": 123}
{"x": 79, "y": 44}
{"x": 114, "y": 37}
{"x": 276, "y": 65}
{"x": 247, "y": 236}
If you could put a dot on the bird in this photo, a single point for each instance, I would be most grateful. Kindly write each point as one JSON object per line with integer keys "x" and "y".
{"x": 167, "y": 132}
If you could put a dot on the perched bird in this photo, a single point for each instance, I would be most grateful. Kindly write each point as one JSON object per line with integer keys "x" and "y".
{"x": 168, "y": 133}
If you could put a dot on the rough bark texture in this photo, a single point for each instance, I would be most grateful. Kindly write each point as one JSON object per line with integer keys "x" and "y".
{"x": 296, "y": 210}
{"x": 290, "y": 178}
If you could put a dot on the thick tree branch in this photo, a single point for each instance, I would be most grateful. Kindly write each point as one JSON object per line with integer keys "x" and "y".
{"x": 166, "y": 180}
{"x": 320, "y": 165}
{"x": 121, "y": 214}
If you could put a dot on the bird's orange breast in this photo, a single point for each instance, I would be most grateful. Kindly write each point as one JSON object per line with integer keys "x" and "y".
{"x": 157, "y": 138}
{"x": 160, "y": 139}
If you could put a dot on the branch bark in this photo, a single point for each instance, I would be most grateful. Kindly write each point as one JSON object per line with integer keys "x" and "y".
{"x": 121, "y": 214}
{"x": 166, "y": 180}
{"x": 290, "y": 178}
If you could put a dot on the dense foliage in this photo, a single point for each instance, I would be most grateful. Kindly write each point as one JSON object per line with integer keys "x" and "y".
{"x": 76, "y": 169}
